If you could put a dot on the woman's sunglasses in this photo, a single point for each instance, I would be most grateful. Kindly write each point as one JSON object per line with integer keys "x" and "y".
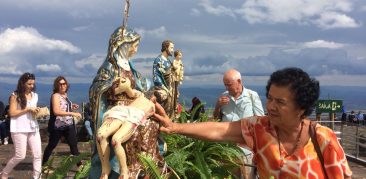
{"x": 62, "y": 84}
{"x": 29, "y": 76}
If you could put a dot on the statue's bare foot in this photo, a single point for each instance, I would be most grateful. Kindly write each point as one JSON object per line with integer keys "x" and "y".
{"x": 104, "y": 176}
{"x": 123, "y": 176}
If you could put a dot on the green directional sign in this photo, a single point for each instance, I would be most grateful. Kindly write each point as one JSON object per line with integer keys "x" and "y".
{"x": 328, "y": 106}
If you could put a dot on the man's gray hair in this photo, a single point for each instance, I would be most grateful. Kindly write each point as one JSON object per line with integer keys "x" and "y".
{"x": 236, "y": 75}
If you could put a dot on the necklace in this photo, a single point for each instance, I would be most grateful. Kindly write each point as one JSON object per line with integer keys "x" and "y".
{"x": 295, "y": 147}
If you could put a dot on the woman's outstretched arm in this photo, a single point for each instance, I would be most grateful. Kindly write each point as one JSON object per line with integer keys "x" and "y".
{"x": 212, "y": 131}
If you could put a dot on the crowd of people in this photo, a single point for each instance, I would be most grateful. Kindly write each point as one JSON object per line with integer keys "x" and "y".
{"x": 19, "y": 124}
{"x": 354, "y": 118}
{"x": 283, "y": 136}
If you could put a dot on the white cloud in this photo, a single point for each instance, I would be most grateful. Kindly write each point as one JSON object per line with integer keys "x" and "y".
{"x": 9, "y": 69}
{"x": 195, "y": 12}
{"x": 95, "y": 60}
{"x": 145, "y": 55}
{"x": 198, "y": 35}
{"x": 81, "y": 9}
{"x": 158, "y": 32}
{"x": 361, "y": 58}
{"x": 323, "y": 44}
{"x": 316, "y": 61}
{"x": 218, "y": 10}
{"x": 332, "y": 20}
{"x": 325, "y": 14}
{"x": 342, "y": 80}
{"x": 28, "y": 39}
{"x": 81, "y": 28}
{"x": 201, "y": 38}
{"x": 144, "y": 67}
{"x": 48, "y": 67}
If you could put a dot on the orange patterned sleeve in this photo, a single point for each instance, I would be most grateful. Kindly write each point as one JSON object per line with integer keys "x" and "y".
{"x": 247, "y": 131}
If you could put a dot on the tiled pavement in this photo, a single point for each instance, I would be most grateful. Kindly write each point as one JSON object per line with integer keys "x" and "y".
{"x": 24, "y": 169}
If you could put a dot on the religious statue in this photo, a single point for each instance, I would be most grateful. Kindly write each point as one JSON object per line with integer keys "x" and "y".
{"x": 107, "y": 100}
{"x": 163, "y": 76}
{"x": 121, "y": 122}
{"x": 178, "y": 67}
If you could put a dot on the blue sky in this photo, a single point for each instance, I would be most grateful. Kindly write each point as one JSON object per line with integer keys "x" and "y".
{"x": 70, "y": 37}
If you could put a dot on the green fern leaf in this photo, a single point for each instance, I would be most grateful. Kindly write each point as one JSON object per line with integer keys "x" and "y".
{"x": 150, "y": 166}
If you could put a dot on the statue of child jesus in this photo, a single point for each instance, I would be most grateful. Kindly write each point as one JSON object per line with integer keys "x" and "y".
{"x": 120, "y": 122}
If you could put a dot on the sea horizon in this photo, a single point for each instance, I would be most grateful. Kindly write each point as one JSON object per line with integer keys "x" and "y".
{"x": 354, "y": 97}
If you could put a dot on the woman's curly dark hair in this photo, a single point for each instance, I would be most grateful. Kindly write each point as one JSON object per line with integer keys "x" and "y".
{"x": 305, "y": 89}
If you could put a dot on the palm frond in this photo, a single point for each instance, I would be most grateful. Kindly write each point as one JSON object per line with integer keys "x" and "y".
{"x": 66, "y": 164}
{"x": 192, "y": 158}
{"x": 199, "y": 171}
{"x": 84, "y": 172}
{"x": 50, "y": 161}
{"x": 177, "y": 161}
{"x": 47, "y": 167}
{"x": 228, "y": 151}
{"x": 151, "y": 168}
{"x": 196, "y": 108}
{"x": 62, "y": 170}
{"x": 201, "y": 164}
{"x": 184, "y": 116}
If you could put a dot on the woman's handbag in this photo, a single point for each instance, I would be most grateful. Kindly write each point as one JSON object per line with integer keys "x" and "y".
{"x": 42, "y": 113}
{"x": 312, "y": 132}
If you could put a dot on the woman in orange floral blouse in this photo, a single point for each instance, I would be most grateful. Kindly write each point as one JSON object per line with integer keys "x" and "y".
{"x": 280, "y": 140}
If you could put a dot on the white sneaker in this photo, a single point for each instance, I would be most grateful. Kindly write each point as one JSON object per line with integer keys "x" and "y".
{"x": 6, "y": 141}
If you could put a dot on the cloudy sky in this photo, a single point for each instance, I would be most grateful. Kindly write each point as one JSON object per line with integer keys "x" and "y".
{"x": 70, "y": 37}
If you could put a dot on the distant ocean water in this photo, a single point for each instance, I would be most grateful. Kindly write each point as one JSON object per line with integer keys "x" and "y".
{"x": 354, "y": 97}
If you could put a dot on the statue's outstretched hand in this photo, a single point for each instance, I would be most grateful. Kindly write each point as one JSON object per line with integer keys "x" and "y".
{"x": 153, "y": 98}
{"x": 160, "y": 115}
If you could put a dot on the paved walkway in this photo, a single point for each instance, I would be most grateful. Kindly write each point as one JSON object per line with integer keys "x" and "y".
{"x": 24, "y": 169}
{"x": 359, "y": 171}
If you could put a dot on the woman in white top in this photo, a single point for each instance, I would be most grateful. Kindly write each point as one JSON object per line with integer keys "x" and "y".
{"x": 23, "y": 128}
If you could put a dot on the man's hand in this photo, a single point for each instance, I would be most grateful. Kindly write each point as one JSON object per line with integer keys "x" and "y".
{"x": 223, "y": 100}
{"x": 167, "y": 125}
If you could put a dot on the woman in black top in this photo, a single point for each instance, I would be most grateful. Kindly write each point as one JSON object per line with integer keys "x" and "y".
{"x": 61, "y": 121}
